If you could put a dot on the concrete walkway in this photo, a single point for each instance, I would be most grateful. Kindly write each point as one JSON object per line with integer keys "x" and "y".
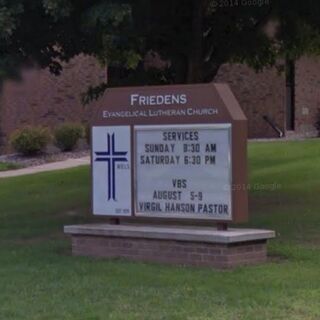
{"x": 66, "y": 164}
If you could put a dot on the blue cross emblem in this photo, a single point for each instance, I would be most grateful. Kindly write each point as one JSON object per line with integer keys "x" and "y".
{"x": 112, "y": 157}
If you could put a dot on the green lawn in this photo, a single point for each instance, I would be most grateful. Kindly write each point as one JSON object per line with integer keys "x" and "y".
{"x": 40, "y": 280}
{"x": 5, "y": 166}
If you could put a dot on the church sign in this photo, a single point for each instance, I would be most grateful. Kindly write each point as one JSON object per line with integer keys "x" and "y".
{"x": 170, "y": 152}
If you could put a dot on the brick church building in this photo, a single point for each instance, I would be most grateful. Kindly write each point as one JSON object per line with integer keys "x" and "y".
{"x": 277, "y": 104}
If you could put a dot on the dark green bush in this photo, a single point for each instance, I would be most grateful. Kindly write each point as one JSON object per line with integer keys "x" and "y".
{"x": 30, "y": 140}
{"x": 67, "y": 136}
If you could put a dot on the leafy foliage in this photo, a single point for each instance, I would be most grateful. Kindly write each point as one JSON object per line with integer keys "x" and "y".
{"x": 193, "y": 37}
{"x": 67, "y": 135}
{"x": 6, "y": 166}
{"x": 31, "y": 140}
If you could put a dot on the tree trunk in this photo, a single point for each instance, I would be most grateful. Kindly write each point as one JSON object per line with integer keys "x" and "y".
{"x": 196, "y": 49}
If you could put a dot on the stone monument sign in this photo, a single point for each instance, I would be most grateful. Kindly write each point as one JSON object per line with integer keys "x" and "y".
{"x": 170, "y": 153}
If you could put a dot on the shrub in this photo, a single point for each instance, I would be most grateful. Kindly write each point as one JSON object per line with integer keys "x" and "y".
{"x": 31, "y": 140}
{"x": 67, "y": 136}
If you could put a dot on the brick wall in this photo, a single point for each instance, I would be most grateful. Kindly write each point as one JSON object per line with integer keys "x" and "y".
{"x": 259, "y": 94}
{"x": 222, "y": 256}
{"x": 264, "y": 93}
{"x": 44, "y": 99}
{"x": 307, "y": 95}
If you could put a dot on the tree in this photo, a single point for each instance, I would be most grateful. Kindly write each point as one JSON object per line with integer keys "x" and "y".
{"x": 192, "y": 37}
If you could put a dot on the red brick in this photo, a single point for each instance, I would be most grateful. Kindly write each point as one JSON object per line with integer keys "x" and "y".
{"x": 171, "y": 252}
{"x": 47, "y": 100}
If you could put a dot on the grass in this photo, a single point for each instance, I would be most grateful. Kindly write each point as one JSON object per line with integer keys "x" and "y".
{"x": 5, "y": 166}
{"x": 40, "y": 280}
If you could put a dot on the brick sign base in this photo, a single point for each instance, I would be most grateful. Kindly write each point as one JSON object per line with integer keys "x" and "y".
{"x": 171, "y": 245}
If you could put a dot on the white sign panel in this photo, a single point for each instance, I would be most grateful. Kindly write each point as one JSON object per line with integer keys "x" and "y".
{"x": 111, "y": 162}
{"x": 183, "y": 171}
